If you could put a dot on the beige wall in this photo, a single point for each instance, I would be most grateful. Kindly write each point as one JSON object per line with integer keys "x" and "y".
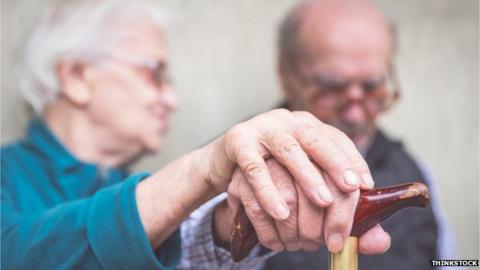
{"x": 222, "y": 55}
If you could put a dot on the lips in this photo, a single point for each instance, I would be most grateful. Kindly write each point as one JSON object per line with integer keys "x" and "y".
{"x": 162, "y": 118}
{"x": 352, "y": 119}
{"x": 354, "y": 113}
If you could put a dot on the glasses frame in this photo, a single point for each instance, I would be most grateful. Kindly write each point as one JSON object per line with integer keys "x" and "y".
{"x": 392, "y": 80}
{"x": 152, "y": 66}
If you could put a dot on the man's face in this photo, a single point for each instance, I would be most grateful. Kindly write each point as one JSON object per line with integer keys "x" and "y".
{"x": 341, "y": 78}
{"x": 131, "y": 95}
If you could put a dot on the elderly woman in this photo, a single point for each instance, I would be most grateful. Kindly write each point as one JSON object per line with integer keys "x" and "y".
{"x": 96, "y": 74}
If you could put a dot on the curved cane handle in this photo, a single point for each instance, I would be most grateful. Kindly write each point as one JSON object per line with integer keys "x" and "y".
{"x": 373, "y": 206}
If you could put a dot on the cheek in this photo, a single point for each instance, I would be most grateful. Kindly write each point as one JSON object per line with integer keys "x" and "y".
{"x": 324, "y": 109}
{"x": 373, "y": 115}
{"x": 118, "y": 108}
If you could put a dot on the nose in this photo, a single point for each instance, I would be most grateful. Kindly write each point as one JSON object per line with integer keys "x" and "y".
{"x": 355, "y": 92}
{"x": 169, "y": 98}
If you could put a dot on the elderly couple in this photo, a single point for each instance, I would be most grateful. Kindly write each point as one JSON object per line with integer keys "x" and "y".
{"x": 97, "y": 76}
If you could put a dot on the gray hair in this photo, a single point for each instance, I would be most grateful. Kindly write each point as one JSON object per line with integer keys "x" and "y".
{"x": 75, "y": 30}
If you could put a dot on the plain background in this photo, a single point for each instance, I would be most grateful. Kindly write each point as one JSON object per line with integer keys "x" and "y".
{"x": 223, "y": 64}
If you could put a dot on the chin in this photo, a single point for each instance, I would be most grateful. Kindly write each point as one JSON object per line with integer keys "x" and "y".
{"x": 361, "y": 137}
{"x": 359, "y": 133}
{"x": 154, "y": 147}
{"x": 154, "y": 140}
{"x": 151, "y": 142}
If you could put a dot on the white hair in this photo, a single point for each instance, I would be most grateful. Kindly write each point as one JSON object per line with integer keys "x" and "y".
{"x": 75, "y": 30}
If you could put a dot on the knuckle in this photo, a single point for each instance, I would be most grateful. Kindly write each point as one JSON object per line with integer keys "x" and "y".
{"x": 235, "y": 133}
{"x": 290, "y": 198}
{"x": 310, "y": 246}
{"x": 269, "y": 239}
{"x": 291, "y": 242}
{"x": 288, "y": 231}
{"x": 256, "y": 212}
{"x": 253, "y": 170}
{"x": 287, "y": 147}
{"x": 307, "y": 119}
{"x": 341, "y": 220}
{"x": 312, "y": 235}
{"x": 293, "y": 246}
{"x": 305, "y": 115}
{"x": 312, "y": 141}
{"x": 281, "y": 112}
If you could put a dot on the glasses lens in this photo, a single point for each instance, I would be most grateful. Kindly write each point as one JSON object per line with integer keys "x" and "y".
{"x": 382, "y": 96}
{"x": 379, "y": 92}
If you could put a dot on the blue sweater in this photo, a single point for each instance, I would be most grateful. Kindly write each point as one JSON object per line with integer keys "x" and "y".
{"x": 61, "y": 213}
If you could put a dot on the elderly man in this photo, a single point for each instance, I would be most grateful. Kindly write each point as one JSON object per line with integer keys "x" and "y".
{"x": 336, "y": 61}
{"x": 96, "y": 73}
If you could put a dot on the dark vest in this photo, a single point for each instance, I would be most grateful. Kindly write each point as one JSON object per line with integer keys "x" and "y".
{"x": 413, "y": 230}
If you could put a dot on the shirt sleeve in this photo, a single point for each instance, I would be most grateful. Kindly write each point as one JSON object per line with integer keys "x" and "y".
{"x": 198, "y": 247}
{"x": 100, "y": 232}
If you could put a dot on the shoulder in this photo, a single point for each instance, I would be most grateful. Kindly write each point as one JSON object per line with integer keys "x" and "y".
{"x": 14, "y": 152}
{"x": 17, "y": 159}
{"x": 10, "y": 153}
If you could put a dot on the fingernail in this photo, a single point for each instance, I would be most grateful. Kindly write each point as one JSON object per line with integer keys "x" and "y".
{"x": 335, "y": 242}
{"x": 350, "y": 178}
{"x": 325, "y": 194}
{"x": 282, "y": 211}
{"x": 367, "y": 180}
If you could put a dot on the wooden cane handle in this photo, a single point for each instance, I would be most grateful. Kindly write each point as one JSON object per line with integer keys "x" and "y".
{"x": 373, "y": 206}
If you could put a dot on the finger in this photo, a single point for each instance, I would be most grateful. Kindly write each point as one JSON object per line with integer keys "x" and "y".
{"x": 233, "y": 199}
{"x": 261, "y": 221}
{"x": 287, "y": 229}
{"x": 339, "y": 218}
{"x": 310, "y": 222}
{"x": 243, "y": 149}
{"x": 343, "y": 141}
{"x": 359, "y": 164}
{"x": 374, "y": 241}
{"x": 327, "y": 154}
{"x": 286, "y": 149}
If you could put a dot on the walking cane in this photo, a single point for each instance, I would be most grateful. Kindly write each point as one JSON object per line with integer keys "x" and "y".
{"x": 373, "y": 206}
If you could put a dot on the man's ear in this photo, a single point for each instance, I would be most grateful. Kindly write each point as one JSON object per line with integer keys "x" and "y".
{"x": 287, "y": 75}
{"x": 73, "y": 78}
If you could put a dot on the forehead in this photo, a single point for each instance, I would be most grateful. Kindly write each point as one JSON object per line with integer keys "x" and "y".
{"x": 350, "y": 45}
{"x": 140, "y": 39}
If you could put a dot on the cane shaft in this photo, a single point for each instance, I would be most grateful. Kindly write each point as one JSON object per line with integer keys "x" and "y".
{"x": 347, "y": 258}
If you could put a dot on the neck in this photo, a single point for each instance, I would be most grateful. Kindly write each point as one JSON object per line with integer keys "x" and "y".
{"x": 87, "y": 141}
{"x": 364, "y": 141}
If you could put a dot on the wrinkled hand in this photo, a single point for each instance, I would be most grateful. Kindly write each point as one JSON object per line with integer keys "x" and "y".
{"x": 308, "y": 225}
{"x": 299, "y": 141}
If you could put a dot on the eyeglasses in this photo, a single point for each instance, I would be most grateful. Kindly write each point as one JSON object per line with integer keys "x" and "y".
{"x": 380, "y": 92}
{"x": 154, "y": 71}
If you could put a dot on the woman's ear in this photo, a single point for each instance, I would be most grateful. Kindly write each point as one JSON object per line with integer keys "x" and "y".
{"x": 73, "y": 78}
